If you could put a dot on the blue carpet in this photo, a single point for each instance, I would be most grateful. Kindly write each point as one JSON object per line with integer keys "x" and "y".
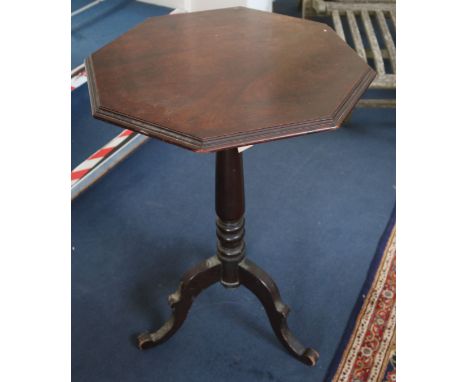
{"x": 101, "y": 24}
{"x": 288, "y": 7}
{"x": 87, "y": 134}
{"x": 316, "y": 208}
{"x": 77, "y": 4}
{"x": 90, "y": 31}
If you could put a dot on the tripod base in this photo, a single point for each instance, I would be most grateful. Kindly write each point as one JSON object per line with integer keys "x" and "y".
{"x": 250, "y": 276}
{"x": 229, "y": 266}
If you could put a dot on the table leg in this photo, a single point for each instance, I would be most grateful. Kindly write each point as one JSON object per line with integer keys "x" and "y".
{"x": 262, "y": 285}
{"x": 193, "y": 282}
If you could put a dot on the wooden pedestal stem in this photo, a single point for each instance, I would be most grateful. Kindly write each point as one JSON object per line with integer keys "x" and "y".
{"x": 230, "y": 266}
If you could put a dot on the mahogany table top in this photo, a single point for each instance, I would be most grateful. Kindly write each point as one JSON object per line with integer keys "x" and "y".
{"x": 219, "y": 79}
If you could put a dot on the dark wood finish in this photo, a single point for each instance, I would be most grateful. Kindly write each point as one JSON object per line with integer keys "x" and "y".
{"x": 193, "y": 282}
{"x": 263, "y": 286}
{"x": 212, "y": 81}
{"x": 230, "y": 205}
{"x": 229, "y": 266}
{"x": 226, "y": 78}
{"x": 230, "y": 208}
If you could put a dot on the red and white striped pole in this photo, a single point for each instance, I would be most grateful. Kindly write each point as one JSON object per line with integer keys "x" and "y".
{"x": 83, "y": 168}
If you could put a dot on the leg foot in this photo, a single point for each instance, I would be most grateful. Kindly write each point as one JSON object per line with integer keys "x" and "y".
{"x": 193, "y": 282}
{"x": 261, "y": 284}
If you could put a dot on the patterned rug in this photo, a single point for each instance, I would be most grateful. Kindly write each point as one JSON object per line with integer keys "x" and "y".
{"x": 367, "y": 350}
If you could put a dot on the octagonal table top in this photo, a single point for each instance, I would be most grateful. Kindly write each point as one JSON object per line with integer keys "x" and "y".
{"x": 226, "y": 78}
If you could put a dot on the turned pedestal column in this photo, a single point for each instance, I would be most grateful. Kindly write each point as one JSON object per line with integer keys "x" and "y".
{"x": 229, "y": 266}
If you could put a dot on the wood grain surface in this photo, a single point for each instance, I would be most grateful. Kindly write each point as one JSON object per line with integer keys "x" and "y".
{"x": 220, "y": 79}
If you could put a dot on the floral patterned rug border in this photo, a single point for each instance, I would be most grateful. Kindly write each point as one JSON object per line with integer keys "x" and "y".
{"x": 367, "y": 349}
